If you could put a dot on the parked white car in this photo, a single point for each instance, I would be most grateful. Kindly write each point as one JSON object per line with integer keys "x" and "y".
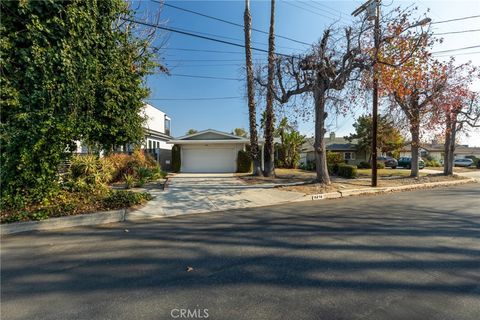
{"x": 463, "y": 162}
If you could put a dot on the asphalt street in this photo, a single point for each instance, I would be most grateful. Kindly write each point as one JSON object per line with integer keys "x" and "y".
{"x": 409, "y": 255}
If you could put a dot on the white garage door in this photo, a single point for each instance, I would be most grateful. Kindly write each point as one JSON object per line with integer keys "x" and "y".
{"x": 208, "y": 160}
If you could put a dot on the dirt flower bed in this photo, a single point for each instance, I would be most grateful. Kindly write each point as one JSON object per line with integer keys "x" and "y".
{"x": 345, "y": 184}
{"x": 282, "y": 176}
{"x": 68, "y": 203}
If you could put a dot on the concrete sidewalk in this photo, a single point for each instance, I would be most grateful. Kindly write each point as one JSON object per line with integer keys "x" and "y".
{"x": 475, "y": 174}
{"x": 196, "y": 193}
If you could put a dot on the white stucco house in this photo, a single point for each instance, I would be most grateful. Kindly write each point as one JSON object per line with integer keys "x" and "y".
{"x": 157, "y": 131}
{"x": 211, "y": 151}
{"x": 157, "y": 128}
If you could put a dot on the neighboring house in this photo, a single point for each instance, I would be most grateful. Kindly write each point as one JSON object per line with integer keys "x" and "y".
{"x": 211, "y": 151}
{"x": 157, "y": 129}
{"x": 347, "y": 149}
{"x": 157, "y": 132}
{"x": 436, "y": 151}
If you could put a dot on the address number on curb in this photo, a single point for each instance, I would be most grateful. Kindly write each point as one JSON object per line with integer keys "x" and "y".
{"x": 319, "y": 196}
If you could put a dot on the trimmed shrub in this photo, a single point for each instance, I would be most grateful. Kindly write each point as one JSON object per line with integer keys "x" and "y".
{"x": 92, "y": 169}
{"x": 129, "y": 180}
{"x": 332, "y": 168}
{"x": 347, "y": 171}
{"x": 334, "y": 157}
{"x": 244, "y": 162}
{"x": 144, "y": 175}
{"x": 364, "y": 165}
{"x": 122, "y": 198}
{"x": 124, "y": 164}
{"x": 380, "y": 165}
{"x": 311, "y": 165}
{"x": 176, "y": 160}
{"x": 119, "y": 162}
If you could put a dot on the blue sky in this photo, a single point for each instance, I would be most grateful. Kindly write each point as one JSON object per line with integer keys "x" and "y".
{"x": 303, "y": 21}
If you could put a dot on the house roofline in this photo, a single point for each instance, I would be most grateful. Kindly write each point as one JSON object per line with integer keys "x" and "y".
{"x": 234, "y": 137}
{"x": 224, "y": 141}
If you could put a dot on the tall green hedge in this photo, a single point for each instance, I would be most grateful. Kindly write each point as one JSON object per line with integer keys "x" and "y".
{"x": 244, "y": 162}
{"x": 176, "y": 160}
{"x": 71, "y": 71}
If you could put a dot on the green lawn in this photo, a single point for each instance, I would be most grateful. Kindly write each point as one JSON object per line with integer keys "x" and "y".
{"x": 387, "y": 172}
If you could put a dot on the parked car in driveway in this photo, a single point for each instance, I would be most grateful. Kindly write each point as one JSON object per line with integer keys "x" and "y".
{"x": 463, "y": 162}
{"x": 406, "y": 162}
{"x": 388, "y": 162}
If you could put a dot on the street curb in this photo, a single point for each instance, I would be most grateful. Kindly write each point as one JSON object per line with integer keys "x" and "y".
{"x": 64, "y": 222}
{"x": 366, "y": 191}
{"x": 105, "y": 217}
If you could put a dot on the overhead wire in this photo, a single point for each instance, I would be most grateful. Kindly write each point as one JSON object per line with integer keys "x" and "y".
{"x": 456, "y": 19}
{"x": 456, "y": 32}
{"x": 198, "y": 36}
{"x": 458, "y": 49}
{"x": 199, "y": 98}
{"x": 228, "y": 22}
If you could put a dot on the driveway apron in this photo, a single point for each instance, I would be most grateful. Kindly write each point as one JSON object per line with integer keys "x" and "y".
{"x": 197, "y": 192}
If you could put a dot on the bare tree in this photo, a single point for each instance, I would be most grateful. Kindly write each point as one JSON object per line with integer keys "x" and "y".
{"x": 269, "y": 119}
{"x": 254, "y": 149}
{"x": 323, "y": 69}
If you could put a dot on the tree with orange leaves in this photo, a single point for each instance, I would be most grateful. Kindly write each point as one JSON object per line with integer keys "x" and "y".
{"x": 411, "y": 79}
{"x": 457, "y": 108}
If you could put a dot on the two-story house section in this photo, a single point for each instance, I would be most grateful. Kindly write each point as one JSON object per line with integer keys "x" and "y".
{"x": 157, "y": 128}
{"x": 157, "y": 133}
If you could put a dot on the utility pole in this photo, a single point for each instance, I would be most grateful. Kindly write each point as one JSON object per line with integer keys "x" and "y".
{"x": 372, "y": 8}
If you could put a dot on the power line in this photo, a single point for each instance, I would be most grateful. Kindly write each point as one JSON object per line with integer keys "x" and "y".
{"x": 204, "y": 77}
{"x": 229, "y": 38}
{"x": 198, "y": 36}
{"x": 207, "y": 65}
{"x": 458, "y": 54}
{"x": 306, "y": 9}
{"x": 201, "y": 98}
{"x": 317, "y": 8}
{"x": 456, "y": 19}
{"x": 227, "y": 21}
{"x": 455, "y": 32}
{"x": 202, "y": 50}
{"x": 458, "y": 49}
{"x": 329, "y": 8}
{"x": 199, "y": 60}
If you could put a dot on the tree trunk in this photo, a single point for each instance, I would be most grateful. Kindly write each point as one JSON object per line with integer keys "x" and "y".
{"x": 254, "y": 149}
{"x": 415, "y": 132}
{"x": 269, "y": 146}
{"x": 319, "y": 145}
{"x": 453, "y": 137}
{"x": 447, "y": 168}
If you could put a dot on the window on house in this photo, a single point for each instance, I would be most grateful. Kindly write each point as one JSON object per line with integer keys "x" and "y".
{"x": 349, "y": 156}
{"x": 167, "y": 126}
{"x": 149, "y": 144}
{"x": 158, "y": 144}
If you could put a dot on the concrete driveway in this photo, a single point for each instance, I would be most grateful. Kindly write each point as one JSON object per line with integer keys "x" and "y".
{"x": 200, "y": 192}
{"x": 411, "y": 255}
